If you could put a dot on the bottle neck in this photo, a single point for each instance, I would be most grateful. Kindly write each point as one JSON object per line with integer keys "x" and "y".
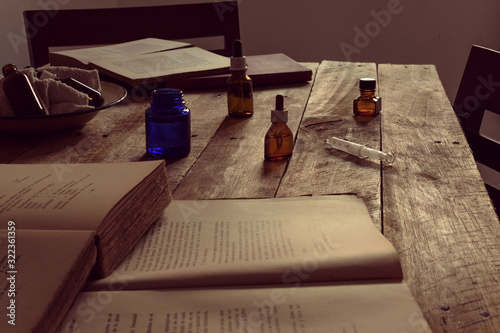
{"x": 239, "y": 73}
{"x": 367, "y": 93}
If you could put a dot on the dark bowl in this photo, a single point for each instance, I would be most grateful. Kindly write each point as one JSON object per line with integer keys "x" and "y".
{"x": 111, "y": 93}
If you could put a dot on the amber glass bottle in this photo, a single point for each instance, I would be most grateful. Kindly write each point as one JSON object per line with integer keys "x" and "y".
{"x": 278, "y": 142}
{"x": 239, "y": 85}
{"x": 368, "y": 103}
{"x": 20, "y": 93}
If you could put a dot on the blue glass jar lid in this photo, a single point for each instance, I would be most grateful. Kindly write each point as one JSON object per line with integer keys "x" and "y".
{"x": 167, "y": 98}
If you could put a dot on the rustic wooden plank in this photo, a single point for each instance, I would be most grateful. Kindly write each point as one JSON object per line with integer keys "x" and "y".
{"x": 317, "y": 169}
{"x": 233, "y": 165}
{"x": 117, "y": 134}
{"x": 12, "y": 145}
{"x": 208, "y": 111}
{"x": 435, "y": 208}
{"x": 94, "y": 142}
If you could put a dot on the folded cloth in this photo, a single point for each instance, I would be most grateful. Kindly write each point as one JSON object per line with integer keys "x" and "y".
{"x": 56, "y": 96}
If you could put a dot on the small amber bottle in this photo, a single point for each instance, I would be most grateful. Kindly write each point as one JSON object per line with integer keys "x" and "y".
{"x": 20, "y": 93}
{"x": 368, "y": 103}
{"x": 278, "y": 142}
{"x": 239, "y": 85}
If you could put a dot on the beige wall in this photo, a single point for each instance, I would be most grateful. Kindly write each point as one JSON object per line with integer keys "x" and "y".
{"x": 383, "y": 31}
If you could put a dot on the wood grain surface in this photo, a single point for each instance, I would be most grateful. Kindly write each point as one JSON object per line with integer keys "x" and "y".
{"x": 436, "y": 210}
{"x": 237, "y": 149}
{"x": 315, "y": 168}
{"x": 431, "y": 203}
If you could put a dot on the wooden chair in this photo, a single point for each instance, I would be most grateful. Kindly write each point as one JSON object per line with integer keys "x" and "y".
{"x": 477, "y": 105}
{"x": 47, "y": 28}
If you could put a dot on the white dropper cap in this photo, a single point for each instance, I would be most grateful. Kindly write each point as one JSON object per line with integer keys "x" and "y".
{"x": 280, "y": 114}
{"x": 238, "y": 61}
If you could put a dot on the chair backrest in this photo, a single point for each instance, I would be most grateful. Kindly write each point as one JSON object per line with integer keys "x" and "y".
{"x": 477, "y": 105}
{"x": 45, "y": 28}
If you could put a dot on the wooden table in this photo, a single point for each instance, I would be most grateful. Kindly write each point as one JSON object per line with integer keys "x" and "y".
{"x": 431, "y": 204}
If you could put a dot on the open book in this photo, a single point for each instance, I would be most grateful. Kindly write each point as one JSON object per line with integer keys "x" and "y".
{"x": 145, "y": 61}
{"x": 117, "y": 201}
{"x": 60, "y": 223}
{"x": 307, "y": 264}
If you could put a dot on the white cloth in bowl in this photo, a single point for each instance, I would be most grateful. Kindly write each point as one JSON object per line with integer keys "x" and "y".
{"x": 56, "y": 96}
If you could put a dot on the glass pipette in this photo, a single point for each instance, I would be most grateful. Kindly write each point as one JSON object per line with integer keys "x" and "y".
{"x": 362, "y": 151}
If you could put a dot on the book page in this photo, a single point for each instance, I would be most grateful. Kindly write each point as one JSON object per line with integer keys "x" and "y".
{"x": 66, "y": 196}
{"x": 141, "y": 46}
{"x": 256, "y": 241}
{"x": 385, "y": 306}
{"x": 41, "y": 273}
{"x": 162, "y": 64}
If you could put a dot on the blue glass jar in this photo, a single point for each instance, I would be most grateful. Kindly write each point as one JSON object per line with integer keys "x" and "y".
{"x": 168, "y": 125}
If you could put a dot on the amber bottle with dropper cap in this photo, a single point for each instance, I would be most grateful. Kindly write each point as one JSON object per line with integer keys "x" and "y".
{"x": 20, "y": 93}
{"x": 239, "y": 85}
{"x": 278, "y": 142}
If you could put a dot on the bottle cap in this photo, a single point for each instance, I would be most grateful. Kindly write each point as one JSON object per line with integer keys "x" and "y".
{"x": 367, "y": 83}
{"x": 168, "y": 92}
{"x": 167, "y": 98}
{"x": 238, "y": 61}
{"x": 9, "y": 69}
{"x": 280, "y": 114}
